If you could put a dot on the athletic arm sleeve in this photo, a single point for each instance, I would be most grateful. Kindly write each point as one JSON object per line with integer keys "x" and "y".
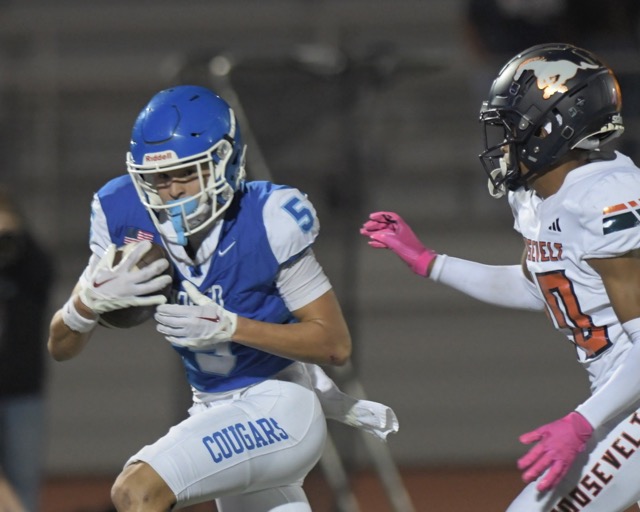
{"x": 302, "y": 281}
{"x": 622, "y": 389}
{"x": 292, "y": 226}
{"x": 500, "y": 285}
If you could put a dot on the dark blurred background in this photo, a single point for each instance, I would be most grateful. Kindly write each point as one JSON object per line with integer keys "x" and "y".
{"x": 364, "y": 105}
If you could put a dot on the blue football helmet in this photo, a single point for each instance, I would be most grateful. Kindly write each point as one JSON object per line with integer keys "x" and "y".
{"x": 547, "y": 101}
{"x": 182, "y": 127}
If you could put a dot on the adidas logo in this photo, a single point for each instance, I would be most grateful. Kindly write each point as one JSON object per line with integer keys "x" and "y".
{"x": 555, "y": 226}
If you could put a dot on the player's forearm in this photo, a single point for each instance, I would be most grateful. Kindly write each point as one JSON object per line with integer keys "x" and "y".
{"x": 312, "y": 341}
{"x": 622, "y": 389}
{"x": 64, "y": 342}
{"x": 501, "y": 285}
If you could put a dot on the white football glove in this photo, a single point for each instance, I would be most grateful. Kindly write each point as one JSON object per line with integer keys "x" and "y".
{"x": 110, "y": 287}
{"x": 199, "y": 326}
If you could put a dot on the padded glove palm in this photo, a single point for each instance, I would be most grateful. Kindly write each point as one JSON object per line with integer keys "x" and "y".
{"x": 198, "y": 326}
{"x": 112, "y": 287}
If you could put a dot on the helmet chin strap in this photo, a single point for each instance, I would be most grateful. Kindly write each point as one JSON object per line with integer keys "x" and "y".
{"x": 500, "y": 172}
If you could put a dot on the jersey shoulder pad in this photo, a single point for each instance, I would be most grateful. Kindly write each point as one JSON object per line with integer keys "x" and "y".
{"x": 116, "y": 186}
{"x": 119, "y": 208}
{"x": 290, "y": 221}
{"x": 607, "y": 209}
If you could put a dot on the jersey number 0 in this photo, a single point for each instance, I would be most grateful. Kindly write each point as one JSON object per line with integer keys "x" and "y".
{"x": 563, "y": 305}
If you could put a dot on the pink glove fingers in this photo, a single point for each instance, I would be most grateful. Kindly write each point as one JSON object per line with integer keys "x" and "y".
{"x": 373, "y": 225}
{"x": 387, "y": 230}
{"x": 385, "y": 216}
{"x": 559, "y": 443}
{"x": 553, "y": 477}
{"x": 537, "y": 467}
{"x": 532, "y": 455}
{"x": 533, "y": 436}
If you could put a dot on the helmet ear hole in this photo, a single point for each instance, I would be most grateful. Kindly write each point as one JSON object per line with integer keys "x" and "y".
{"x": 542, "y": 131}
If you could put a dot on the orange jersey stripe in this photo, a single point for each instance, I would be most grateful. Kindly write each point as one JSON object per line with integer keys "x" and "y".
{"x": 619, "y": 207}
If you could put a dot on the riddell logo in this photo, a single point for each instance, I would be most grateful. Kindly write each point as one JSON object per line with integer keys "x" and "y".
{"x": 160, "y": 157}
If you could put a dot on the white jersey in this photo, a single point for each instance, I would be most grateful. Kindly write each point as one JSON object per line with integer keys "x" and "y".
{"x": 595, "y": 214}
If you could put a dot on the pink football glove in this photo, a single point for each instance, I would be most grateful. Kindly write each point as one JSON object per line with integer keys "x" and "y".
{"x": 559, "y": 443}
{"x": 387, "y": 230}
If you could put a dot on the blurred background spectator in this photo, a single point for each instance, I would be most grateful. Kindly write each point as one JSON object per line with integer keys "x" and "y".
{"x": 25, "y": 283}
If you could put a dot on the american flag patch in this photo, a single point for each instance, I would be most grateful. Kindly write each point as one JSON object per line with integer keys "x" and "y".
{"x": 621, "y": 216}
{"x": 136, "y": 235}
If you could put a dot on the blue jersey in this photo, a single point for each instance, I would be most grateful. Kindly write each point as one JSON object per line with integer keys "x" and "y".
{"x": 266, "y": 227}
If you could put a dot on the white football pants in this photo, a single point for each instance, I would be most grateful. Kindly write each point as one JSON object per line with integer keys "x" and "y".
{"x": 249, "y": 449}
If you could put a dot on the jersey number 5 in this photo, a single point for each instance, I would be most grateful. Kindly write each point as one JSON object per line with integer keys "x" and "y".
{"x": 564, "y": 307}
{"x": 300, "y": 212}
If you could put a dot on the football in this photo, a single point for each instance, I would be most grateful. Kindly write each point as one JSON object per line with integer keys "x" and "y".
{"x": 136, "y": 315}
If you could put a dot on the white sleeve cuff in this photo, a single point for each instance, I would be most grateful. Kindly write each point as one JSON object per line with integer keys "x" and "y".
{"x": 302, "y": 281}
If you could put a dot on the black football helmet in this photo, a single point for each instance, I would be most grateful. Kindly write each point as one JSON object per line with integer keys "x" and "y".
{"x": 545, "y": 102}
